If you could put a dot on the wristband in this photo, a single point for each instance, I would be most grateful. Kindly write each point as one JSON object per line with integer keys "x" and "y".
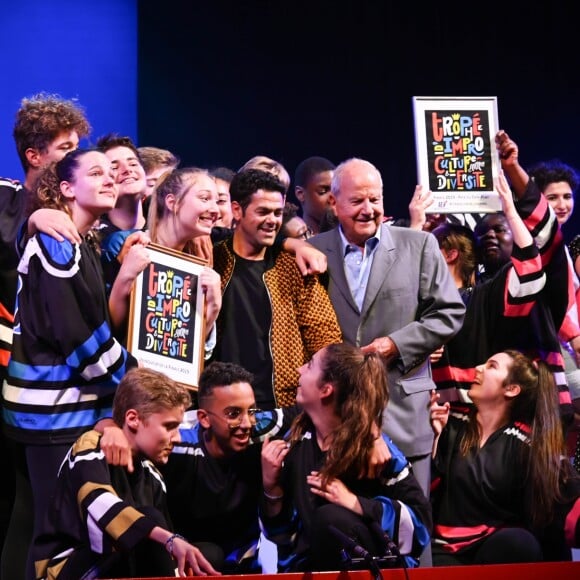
{"x": 169, "y": 543}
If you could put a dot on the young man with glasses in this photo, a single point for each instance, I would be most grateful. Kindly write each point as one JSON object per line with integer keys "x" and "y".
{"x": 213, "y": 475}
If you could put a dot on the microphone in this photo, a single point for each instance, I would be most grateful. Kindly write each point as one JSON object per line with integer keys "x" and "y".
{"x": 355, "y": 549}
{"x": 390, "y": 547}
{"x": 348, "y": 543}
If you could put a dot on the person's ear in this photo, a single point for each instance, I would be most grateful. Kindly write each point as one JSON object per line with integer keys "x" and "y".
{"x": 512, "y": 390}
{"x": 170, "y": 202}
{"x": 237, "y": 211}
{"x": 33, "y": 157}
{"x": 332, "y": 201}
{"x": 326, "y": 390}
{"x": 451, "y": 255}
{"x": 66, "y": 190}
{"x": 132, "y": 419}
{"x": 299, "y": 193}
{"x": 203, "y": 418}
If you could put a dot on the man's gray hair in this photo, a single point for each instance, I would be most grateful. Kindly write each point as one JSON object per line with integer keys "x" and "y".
{"x": 343, "y": 166}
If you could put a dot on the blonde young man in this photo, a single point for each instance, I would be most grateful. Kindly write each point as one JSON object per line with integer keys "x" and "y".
{"x": 108, "y": 521}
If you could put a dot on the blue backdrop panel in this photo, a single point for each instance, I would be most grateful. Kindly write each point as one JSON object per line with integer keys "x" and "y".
{"x": 85, "y": 50}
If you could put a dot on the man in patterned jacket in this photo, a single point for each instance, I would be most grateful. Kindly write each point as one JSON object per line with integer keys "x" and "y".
{"x": 273, "y": 319}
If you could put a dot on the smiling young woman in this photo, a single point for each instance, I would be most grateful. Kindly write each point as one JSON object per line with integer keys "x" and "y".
{"x": 505, "y": 489}
{"x": 65, "y": 361}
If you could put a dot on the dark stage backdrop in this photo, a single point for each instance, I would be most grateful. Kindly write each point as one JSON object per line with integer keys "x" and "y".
{"x": 221, "y": 81}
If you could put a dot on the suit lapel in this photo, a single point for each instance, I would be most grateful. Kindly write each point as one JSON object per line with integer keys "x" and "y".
{"x": 384, "y": 258}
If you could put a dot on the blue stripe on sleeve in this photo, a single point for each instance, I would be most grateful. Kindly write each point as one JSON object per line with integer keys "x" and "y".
{"x": 55, "y": 420}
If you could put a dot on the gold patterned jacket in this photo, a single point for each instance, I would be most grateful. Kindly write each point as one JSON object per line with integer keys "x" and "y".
{"x": 303, "y": 319}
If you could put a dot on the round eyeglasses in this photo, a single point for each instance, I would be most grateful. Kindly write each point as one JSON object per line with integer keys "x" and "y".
{"x": 234, "y": 416}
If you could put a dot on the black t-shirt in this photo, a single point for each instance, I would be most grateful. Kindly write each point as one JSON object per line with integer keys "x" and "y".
{"x": 247, "y": 312}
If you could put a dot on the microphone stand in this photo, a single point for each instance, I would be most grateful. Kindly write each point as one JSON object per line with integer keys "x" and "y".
{"x": 349, "y": 546}
{"x": 390, "y": 547}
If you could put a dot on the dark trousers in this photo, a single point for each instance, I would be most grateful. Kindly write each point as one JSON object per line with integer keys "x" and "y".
{"x": 9, "y": 480}
{"x": 19, "y": 532}
{"x": 36, "y": 468}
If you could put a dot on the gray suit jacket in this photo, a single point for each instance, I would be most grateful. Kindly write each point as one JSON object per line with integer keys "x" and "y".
{"x": 411, "y": 298}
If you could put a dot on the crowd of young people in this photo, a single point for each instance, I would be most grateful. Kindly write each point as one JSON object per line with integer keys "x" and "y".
{"x": 318, "y": 355}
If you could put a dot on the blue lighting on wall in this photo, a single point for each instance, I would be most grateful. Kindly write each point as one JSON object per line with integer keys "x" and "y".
{"x": 84, "y": 50}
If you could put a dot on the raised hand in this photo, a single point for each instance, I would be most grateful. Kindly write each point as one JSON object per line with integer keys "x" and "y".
{"x": 421, "y": 200}
{"x": 334, "y": 491}
{"x": 439, "y": 413}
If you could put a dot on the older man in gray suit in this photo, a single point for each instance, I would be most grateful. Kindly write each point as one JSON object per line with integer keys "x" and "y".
{"x": 392, "y": 293}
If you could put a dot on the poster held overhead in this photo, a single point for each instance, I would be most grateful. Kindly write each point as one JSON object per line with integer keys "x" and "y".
{"x": 456, "y": 154}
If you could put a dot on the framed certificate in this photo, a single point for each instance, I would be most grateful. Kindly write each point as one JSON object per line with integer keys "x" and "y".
{"x": 166, "y": 317}
{"x": 456, "y": 154}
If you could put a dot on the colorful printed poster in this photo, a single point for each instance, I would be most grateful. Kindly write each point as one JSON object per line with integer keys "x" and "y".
{"x": 456, "y": 154}
{"x": 166, "y": 323}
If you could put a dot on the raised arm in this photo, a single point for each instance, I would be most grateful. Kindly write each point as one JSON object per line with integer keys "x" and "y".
{"x": 210, "y": 282}
{"x": 508, "y": 154}
{"x": 521, "y": 235}
{"x": 55, "y": 223}
{"x": 273, "y": 454}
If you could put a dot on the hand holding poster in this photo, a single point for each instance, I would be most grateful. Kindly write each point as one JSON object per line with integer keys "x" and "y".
{"x": 456, "y": 154}
{"x": 166, "y": 322}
